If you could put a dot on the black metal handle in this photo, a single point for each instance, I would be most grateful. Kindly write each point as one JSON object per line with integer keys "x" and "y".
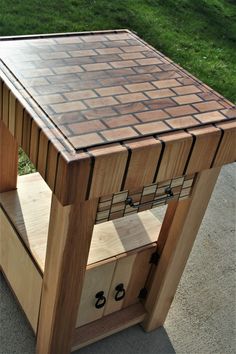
{"x": 101, "y": 300}
{"x": 169, "y": 195}
{"x": 120, "y": 292}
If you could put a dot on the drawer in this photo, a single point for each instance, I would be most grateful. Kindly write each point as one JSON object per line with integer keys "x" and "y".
{"x": 114, "y": 285}
{"x": 157, "y": 194}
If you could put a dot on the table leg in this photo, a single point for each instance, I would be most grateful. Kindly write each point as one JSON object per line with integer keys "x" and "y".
{"x": 8, "y": 159}
{"x": 184, "y": 222}
{"x": 70, "y": 232}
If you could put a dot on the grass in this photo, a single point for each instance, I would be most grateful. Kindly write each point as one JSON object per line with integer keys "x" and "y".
{"x": 199, "y": 35}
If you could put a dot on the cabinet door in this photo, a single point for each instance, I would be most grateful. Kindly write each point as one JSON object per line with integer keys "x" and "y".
{"x": 140, "y": 272}
{"x": 97, "y": 279}
{"x": 129, "y": 278}
{"x": 122, "y": 275}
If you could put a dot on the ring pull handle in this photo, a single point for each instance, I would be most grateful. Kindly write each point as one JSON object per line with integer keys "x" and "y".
{"x": 120, "y": 292}
{"x": 101, "y": 300}
{"x": 169, "y": 194}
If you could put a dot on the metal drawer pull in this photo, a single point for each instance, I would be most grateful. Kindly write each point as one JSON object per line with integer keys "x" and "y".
{"x": 169, "y": 195}
{"x": 101, "y": 300}
{"x": 120, "y": 292}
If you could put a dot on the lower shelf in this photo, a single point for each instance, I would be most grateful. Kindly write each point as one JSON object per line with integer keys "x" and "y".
{"x": 120, "y": 254}
{"x": 108, "y": 325}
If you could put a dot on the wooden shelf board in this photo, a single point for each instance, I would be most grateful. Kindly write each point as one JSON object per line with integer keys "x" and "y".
{"x": 28, "y": 209}
{"x": 108, "y": 325}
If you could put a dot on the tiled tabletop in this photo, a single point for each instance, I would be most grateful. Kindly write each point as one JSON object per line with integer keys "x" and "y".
{"x": 98, "y": 88}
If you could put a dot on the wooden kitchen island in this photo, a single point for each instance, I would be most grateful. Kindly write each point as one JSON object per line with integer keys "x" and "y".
{"x": 115, "y": 129}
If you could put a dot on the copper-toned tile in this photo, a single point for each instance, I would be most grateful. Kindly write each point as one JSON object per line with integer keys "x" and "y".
{"x": 208, "y": 106}
{"x": 80, "y": 95}
{"x": 101, "y": 102}
{"x": 99, "y": 113}
{"x": 131, "y": 108}
{"x": 151, "y": 128}
{"x": 160, "y": 93}
{"x": 110, "y": 91}
{"x": 54, "y": 55}
{"x": 147, "y": 69}
{"x": 185, "y": 90}
{"x": 109, "y": 51}
{"x": 166, "y": 83}
{"x": 96, "y": 67}
{"x": 134, "y": 48}
{"x": 181, "y": 111}
{"x": 140, "y": 87}
{"x": 182, "y": 122}
{"x": 85, "y": 140}
{"x": 86, "y": 127}
{"x": 148, "y": 61}
{"x": 120, "y": 121}
{"x": 49, "y": 99}
{"x": 127, "y": 56}
{"x": 209, "y": 117}
{"x": 82, "y": 53}
{"x": 152, "y": 115}
{"x": 123, "y": 64}
{"x": 187, "y": 99}
{"x": 68, "y": 107}
{"x": 68, "y": 69}
{"x": 120, "y": 133}
{"x": 132, "y": 97}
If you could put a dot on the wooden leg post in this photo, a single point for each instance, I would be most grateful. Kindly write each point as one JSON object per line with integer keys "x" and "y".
{"x": 8, "y": 159}
{"x": 184, "y": 221}
{"x": 70, "y": 232}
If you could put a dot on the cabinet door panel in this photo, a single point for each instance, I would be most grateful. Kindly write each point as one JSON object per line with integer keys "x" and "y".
{"x": 122, "y": 275}
{"x": 96, "y": 279}
{"x": 141, "y": 268}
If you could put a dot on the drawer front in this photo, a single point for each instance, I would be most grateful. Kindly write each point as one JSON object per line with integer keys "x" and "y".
{"x": 125, "y": 203}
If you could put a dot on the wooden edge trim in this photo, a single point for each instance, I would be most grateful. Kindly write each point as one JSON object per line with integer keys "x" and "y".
{"x": 108, "y": 325}
{"x": 48, "y": 35}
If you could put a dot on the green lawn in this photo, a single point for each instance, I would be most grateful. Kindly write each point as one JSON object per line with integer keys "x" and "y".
{"x": 200, "y": 35}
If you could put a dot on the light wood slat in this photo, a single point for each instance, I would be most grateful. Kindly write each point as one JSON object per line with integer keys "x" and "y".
{"x": 19, "y": 122}
{"x": 109, "y": 169}
{"x": 26, "y": 132}
{"x": 12, "y": 113}
{"x": 204, "y": 149}
{"x": 108, "y": 325}
{"x": 176, "y": 152}
{"x": 21, "y": 273}
{"x": 42, "y": 153}
{"x": 185, "y": 222}
{"x": 8, "y": 159}
{"x": 34, "y": 143}
{"x": 227, "y": 149}
{"x": 145, "y": 154}
{"x": 5, "y": 104}
{"x": 65, "y": 267}
{"x": 52, "y": 163}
